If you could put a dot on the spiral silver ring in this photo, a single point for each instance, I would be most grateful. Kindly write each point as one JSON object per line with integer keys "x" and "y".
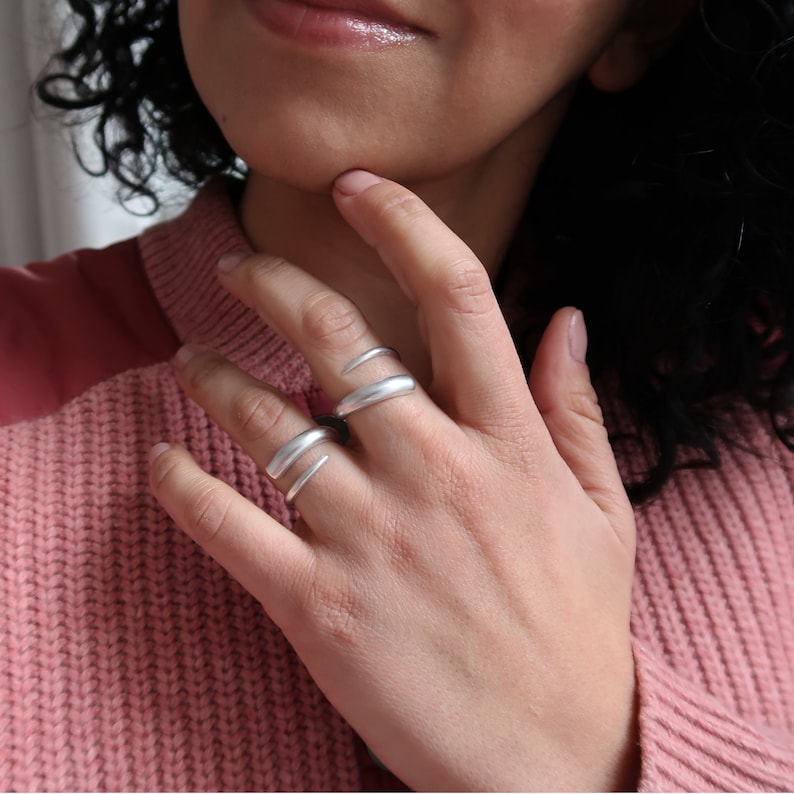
{"x": 373, "y": 352}
{"x": 373, "y": 393}
{"x": 298, "y": 485}
{"x": 296, "y": 447}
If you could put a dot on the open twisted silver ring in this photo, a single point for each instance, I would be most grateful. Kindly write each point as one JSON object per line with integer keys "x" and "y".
{"x": 373, "y": 393}
{"x": 373, "y": 352}
{"x": 296, "y": 447}
{"x": 298, "y": 485}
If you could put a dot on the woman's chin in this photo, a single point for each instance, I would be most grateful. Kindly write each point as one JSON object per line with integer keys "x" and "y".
{"x": 307, "y": 165}
{"x": 314, "y": 171}
{"x": 303, "y": 178}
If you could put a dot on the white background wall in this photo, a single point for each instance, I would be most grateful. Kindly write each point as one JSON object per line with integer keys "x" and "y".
{"x": 47, "y": 204}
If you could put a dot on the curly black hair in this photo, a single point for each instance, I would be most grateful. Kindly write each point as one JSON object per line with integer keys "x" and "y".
{"x": 667, "y": 215}
{"x": 124, "y": 73}
{"x": 665, "y": 212}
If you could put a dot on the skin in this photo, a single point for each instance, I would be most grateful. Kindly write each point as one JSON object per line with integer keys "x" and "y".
{"x": 483, "y": 80}
{"x": 459, "y": 582}
{"x": 463, "y": 118}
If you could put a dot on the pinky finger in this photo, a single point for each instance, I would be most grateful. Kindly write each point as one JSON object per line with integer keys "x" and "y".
{"x": 265, "y": 557}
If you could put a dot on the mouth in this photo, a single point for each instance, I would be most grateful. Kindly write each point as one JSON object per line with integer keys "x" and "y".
{"x": 359, "y": 24}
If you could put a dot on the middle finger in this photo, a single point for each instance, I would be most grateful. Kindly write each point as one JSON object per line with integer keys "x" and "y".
{"x": 330, "y": 332}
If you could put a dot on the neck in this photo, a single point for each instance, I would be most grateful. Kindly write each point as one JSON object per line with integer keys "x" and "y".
{"x": 481, "y": 203}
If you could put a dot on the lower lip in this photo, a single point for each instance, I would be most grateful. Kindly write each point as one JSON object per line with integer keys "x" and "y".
{"x": 313, "y": 25}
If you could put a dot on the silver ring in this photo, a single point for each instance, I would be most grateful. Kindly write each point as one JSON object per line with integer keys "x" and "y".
{"x": 297, "y": 486}
{"x": 395, "y": 386}
{"x": 373, "y": 352}
{"x": 295, "y": 447}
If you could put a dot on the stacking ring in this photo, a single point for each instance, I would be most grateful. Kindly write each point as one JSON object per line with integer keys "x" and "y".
{"x": 298, "y": 485}
{"x": 373, "y": 393}
{"x": 373, "y": 352}
{"x": 296, "y": 447}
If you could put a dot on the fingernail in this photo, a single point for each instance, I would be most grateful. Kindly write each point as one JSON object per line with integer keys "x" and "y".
{"x": 157, "y": 450}
{"x": 229, "y": 262}
{"x": 352, "y": 183}
{"x": 186, "y": 354}
{"x": 577, "y": 337}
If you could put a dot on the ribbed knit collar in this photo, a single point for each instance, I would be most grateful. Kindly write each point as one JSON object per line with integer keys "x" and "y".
{"x": 180, "y": 259}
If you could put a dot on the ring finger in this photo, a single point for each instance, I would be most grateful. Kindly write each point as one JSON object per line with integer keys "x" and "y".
{"x": 265, "y": 423}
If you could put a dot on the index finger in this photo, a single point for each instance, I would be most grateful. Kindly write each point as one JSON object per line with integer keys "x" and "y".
{"x": 477, "y": 375}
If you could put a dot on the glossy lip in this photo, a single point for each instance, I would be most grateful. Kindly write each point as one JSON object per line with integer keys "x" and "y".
{"x": 360, "y": 24}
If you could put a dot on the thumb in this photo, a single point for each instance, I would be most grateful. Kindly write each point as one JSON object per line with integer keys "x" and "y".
{"x": 560, "y": 384}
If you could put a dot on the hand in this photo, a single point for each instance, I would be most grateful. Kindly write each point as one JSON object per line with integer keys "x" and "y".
{"x": 459, "y": 582}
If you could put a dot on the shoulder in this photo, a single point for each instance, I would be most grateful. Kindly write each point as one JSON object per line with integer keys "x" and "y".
{"x": 72, "y": 322}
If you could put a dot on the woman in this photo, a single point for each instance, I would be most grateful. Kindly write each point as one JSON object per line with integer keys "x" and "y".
{"x": 458, "y": 580}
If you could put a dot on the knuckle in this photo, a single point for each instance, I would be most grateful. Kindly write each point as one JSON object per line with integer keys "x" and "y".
{"x": 453, "y": 472}
{"x": 465, "y": 288}
{"x": 583, "y": 403}
{"x": 202, "y": 373}
{"x": 404, "y": 548}
{"x": 395, "y": 530}
{"x": 568, "y": 405}
{"x": 336, "y": 611}
{"x": 205, "y": 512}
{"x": 331, "y": 321}
{"x": 165, "y": 472}
{"x": 403, "y": 207}
{"x": 257, "y": 412}
{"x": 262, "y": 268}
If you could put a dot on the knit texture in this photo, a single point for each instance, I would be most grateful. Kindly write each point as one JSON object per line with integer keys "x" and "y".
{"x": 134, "y": 662}
{"x": 713, "y": 618}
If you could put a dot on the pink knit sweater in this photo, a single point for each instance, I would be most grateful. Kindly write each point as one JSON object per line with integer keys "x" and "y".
{"x": 133, "y": 661}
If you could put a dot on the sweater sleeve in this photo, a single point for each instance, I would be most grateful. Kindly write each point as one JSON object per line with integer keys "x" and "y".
{"x": 68, "y": 324}
{"x": 690, "y": 742}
